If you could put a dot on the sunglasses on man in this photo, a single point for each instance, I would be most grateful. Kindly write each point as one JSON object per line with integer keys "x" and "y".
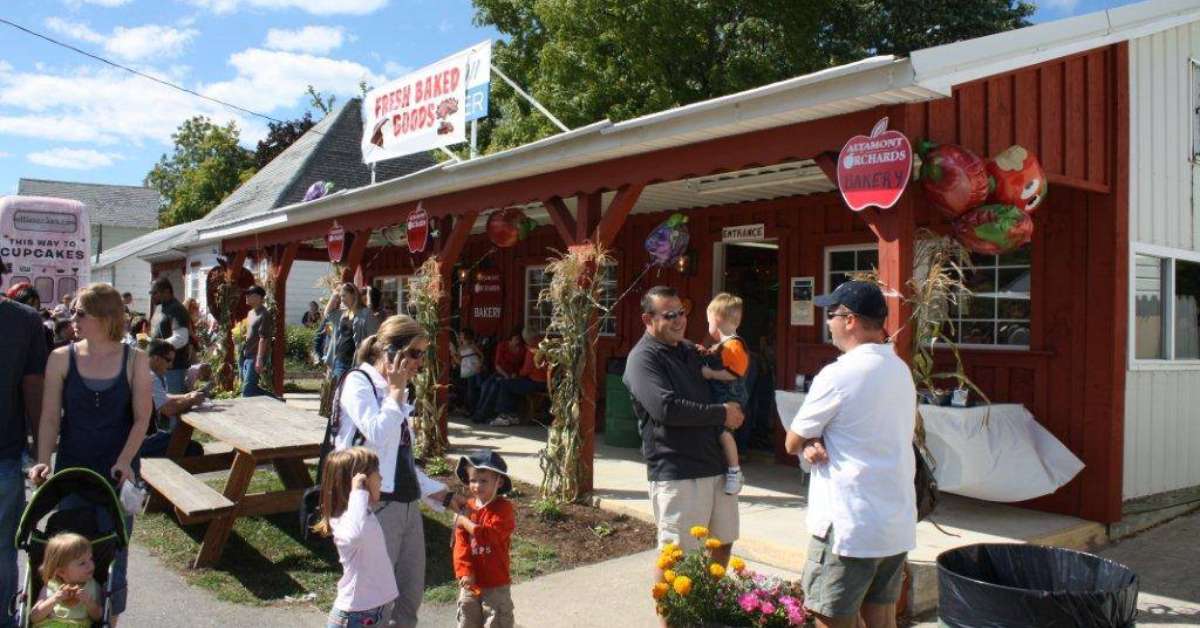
{"x": 672, "y": 315}
{"x": 832, "y": 315}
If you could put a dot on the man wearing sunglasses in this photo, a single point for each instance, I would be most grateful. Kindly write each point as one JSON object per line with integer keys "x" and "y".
{"x": 856, "y": 429}
{"x": 680, "y": 426}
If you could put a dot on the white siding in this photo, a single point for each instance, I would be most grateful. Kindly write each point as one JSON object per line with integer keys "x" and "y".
{"x": 131, "y": 275}
{"x": 1162, "y": 404}
{"x": 302, "y": 288}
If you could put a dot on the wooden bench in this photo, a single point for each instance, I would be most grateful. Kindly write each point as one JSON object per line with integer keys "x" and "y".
{"x": 535, "y": 405}
{"x": 172, "y": 485}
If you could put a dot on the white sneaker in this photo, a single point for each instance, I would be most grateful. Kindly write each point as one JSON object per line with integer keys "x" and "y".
{"x": 500, "y": 422}
{"x": 733, "y": 482}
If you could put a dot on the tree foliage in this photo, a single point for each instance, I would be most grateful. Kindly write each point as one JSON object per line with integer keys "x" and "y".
{"x": 281, "y": 135}
{"x": 206, "y": 166}
{"x": 587, "y": 60}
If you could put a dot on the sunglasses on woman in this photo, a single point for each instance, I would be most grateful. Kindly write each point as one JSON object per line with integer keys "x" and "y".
{"x": 78, "y": 313}
{"x": 412, "y": 354}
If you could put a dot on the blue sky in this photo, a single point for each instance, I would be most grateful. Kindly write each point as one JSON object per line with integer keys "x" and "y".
{"x": 64, "y": 116}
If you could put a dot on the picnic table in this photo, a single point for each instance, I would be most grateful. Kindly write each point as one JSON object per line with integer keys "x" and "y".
{"x": 259, "y": 430}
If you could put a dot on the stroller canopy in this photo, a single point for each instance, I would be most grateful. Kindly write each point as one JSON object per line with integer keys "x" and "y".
{"x": 82, "y": 483}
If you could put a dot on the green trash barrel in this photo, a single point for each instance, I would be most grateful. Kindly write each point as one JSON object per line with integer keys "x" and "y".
{"x": 620, "y": 424}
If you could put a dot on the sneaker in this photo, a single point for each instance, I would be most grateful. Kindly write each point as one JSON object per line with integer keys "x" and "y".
{"x": 733, "y": 482}
{"x": 500, "y": 421}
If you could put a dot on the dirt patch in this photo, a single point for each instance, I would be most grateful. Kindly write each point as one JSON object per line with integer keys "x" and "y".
{"x": 581, "y": 534}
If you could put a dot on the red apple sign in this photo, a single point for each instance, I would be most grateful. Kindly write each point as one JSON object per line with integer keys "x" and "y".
{"x": 875, "y": 169}
{"x": 335, "y": 242}
{"x": 418, "y": 229}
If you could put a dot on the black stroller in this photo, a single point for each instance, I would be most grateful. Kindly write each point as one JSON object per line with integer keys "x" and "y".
{"x": 43, "y": 519}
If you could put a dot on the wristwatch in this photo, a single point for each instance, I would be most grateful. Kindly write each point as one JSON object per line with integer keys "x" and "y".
{"x": 447, "y": 499}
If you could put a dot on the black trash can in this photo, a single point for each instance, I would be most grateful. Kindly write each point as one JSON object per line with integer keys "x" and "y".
{"x": 1012, "y": 585}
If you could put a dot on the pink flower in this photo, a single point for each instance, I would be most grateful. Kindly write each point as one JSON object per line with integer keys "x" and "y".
{"x": 767, "y": 608}
{"x": 748, "y": 602}
{"x": 796, "y": 616}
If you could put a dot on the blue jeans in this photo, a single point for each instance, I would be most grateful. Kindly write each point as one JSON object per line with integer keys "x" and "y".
{"x": 12, "y": 504}
{"x": 120, "y": 565}
{"x": 355, "y": 619}
{"x": 485, "y": 407}
{"x": 513, "y": 389}
{"x": 176, "y": 381}
{"x": 250, "y": 380}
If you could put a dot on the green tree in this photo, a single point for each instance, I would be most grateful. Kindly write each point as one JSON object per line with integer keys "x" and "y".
{"x": 587, "y": 60}
{"x": 281, "y": 135}
{"x": 206, "y": 166}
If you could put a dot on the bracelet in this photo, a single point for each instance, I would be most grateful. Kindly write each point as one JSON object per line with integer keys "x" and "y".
{"x": 447, "y": 499}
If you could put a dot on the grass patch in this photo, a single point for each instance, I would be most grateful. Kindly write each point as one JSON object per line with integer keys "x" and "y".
{"x": 265, "y": 562}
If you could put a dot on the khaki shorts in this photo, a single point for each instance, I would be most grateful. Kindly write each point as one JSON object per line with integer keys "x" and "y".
{"x": 680, "y": 504}
{"x": 838, "y": 586}
{"x": 492, "y": 608}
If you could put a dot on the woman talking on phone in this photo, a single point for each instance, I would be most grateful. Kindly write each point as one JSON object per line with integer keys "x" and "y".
{"x": 373, "y": 410}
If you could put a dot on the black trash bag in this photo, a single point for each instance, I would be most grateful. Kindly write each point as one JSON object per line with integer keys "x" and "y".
{"x": 1013, "y": 585}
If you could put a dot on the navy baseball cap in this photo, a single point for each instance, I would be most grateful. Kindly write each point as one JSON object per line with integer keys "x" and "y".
{"x": 259, "y": 290}
{"x": 861, "y": 297}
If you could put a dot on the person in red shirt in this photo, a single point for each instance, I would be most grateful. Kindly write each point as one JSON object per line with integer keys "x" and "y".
{"x": 531, "y": 378}
{"x": 509, "y": 356}
{"x": 482, "y": 534}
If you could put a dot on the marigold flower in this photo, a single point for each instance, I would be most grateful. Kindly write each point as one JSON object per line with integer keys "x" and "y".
{"x": 683, "y": 585}
{"x": 699, "y": 531}
{"x": 669, "y": 575}
{"x": 670, "y": 548}
{"x": 665, "y": 562}
{"x": 737, "y": 564}
{"x": 716, "y": 570}
{"x": 677, "y": 554}
{"x": 712, "y": 543}
{"x": 660, "y": 590}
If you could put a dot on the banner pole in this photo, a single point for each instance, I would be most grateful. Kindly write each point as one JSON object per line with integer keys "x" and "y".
{"x": 474, "y": 137}
{"x": 531, "y": 99}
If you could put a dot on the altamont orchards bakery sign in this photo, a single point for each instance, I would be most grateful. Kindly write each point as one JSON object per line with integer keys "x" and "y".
{"x": 875, "y": 169}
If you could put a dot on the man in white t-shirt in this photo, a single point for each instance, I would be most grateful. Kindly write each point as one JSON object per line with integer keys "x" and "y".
{"x": 856, "y": 429}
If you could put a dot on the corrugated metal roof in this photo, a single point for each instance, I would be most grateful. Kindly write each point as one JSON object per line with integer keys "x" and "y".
{"x": 108, "y": 205}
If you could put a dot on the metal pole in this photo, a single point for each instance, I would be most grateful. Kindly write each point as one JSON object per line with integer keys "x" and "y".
{"x": 531, "y": 99}
{"x": 474, "y": 138}
{"x": 372, "y": 173}
{"x": 453, "y": 156}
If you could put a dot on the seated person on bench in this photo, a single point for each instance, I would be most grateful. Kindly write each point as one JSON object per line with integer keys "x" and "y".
{"x": 531, "y": 379}
{"x": 510, "y": 355}
{"x": 167, "y": 406}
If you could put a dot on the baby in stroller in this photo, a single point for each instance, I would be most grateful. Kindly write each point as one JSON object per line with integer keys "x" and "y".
{"x": 68, "y": 520}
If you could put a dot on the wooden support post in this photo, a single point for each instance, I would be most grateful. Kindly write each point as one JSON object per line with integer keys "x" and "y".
{"x": 894, "y": 227}
{"x": 609, "y": 225}
{"x": 451, "y": 250}
{"x": 218, "y": 529}
{"x": 561, "y": 217}
{"x": 588, "y": 208}
{"x": 281, "y": 265}
{"x": 354, "y": 256}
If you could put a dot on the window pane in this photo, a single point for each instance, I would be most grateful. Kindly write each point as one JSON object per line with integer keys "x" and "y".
{"x": 1013, "y": 334}
{"x": 981, "y": 280}
{"x": 978, "y": 307}
{"x": 1017, "y": 257}
{"x": 837, "y": 279}
{"x": 1148, "y": 308}
{"x": 867, "y": 260}
{"x": 1013, "y": 308}
{"x": 841, "y": 260}
{"x": 980, "y": 260}
{"x": 977, "y": 333}
{"x": 1187, "y": 310}
{"x": 1014, "y": 280}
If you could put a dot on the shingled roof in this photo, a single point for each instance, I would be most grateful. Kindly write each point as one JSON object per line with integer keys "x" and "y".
{"x": 109, "y": 205}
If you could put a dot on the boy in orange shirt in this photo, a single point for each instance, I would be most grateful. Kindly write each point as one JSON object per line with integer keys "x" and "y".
{"x": 726, "y": 370}
{"x": 482, "y": 533}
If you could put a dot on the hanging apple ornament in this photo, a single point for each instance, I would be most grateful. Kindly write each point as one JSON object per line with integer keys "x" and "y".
{"x": 668, "y": 241}
{"x": 953, "y": 178}
{"x": 994, "y": 229}
{"x": 1017, "y": 179}
{"x": 507, "y": 227}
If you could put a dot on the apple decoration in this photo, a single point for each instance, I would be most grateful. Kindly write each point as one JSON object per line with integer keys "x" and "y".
{"x": 507, "y": 227}
{"x": 1017, "y": 179}
{"x": 953, "y": 178}
{"x": 418, "y": 229}
{"x": 994, "y": 229}
{"x": 874, "y": 169}
{"x": 668, "y": 241}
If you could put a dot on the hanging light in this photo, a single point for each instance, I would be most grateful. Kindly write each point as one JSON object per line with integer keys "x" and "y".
{"x": 463, "y": 274}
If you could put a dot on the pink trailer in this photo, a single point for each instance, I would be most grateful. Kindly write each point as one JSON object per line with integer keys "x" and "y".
{"x": 45, "y": 242}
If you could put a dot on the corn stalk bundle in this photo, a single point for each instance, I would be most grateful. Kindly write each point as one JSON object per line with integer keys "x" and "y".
{"x": 427, "y": 292}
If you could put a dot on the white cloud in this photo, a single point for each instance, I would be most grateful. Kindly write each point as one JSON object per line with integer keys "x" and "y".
{"x": 74, "y": 30}
{"x": 102, "y": 3}
{"x": 4, "y": 155}
{"x": 73, "y": 158}
{"x": 311, "y": 39}
{"x": 268, "y": 79}
{"x": 446, "y": 26}
{"x": 149, "y": 41}
{"x": 1064, "y": 6}
{"x": 315, "y": 7}
{"x": 396, "y": 70}
{"x": 136, "y": 43}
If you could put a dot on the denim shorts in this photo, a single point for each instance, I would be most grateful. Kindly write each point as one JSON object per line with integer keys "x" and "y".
{"x": 355, "y": 619}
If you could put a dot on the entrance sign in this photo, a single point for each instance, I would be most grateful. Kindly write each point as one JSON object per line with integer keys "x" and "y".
{"x": 44, "y": 242}
{"x": 742, "y": 233}
{"x": 335, "y": 243}
{"x": 802, "y": 301}
{"x": 423, "y": 110}
{"x": 875, "y": 169}
{"x": 418, "y": 229}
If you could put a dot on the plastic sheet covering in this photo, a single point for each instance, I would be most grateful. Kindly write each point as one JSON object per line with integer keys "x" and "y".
{"x": 1010, "y": 585}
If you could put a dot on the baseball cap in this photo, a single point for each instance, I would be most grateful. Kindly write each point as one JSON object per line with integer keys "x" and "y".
{"x": 257, "y": 290}
{"x": 861, "y": 297}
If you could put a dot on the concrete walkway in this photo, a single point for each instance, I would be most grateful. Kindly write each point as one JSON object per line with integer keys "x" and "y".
{"x": 772, "y": 507}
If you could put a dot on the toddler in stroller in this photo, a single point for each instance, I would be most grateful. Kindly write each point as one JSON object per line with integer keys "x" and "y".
{"x": 51, "y": 532}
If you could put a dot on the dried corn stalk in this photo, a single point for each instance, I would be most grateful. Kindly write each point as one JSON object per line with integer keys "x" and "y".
{"x": 426, "y": 293}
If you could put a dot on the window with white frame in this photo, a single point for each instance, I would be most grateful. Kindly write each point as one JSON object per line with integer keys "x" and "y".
{"x": 998, "y": 312}
{"x": 537, "y": 317}
{"x": 1166, "y": 305}
{"x": 1195, "y": 77}
{"x": 194, "y": 282}
{"x": 393, "y": 292}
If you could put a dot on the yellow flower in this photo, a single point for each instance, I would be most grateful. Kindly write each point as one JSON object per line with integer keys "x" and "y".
{"x": 669, "y": 575}
{"x": 683, "y": 585}
{"x": 699, "y": 531}
{"x": 712, "y": 543}
{"x": 716, "y": 570}
{"x": 665, "y": 562}
{"x": 737, "y": 564}
{"x": 670, "y": 548}
{"x": 677, "y": 554}
{"x": 660, "y": 590}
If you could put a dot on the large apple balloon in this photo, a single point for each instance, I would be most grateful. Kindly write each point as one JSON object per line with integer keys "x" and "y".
{"x": 994, "y": 229}
{"x": 1017, "y": 179}
{"x": 953, "y": 178}
{"x": 668, "y": 241}
{"x": 507, "y": 227}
